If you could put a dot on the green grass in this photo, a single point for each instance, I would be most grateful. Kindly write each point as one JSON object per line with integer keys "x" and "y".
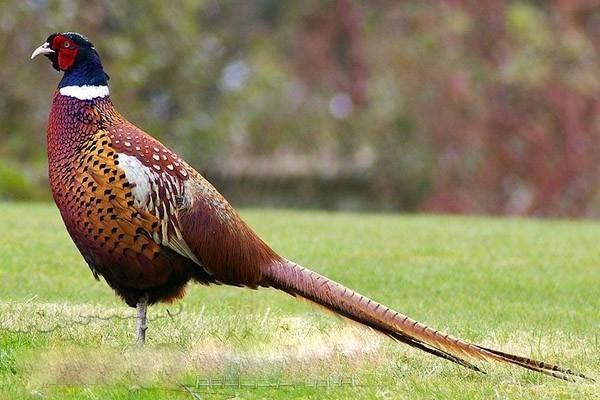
{"x": 531, "y": 287}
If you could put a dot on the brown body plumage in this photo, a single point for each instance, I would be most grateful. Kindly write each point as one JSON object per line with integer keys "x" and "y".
{"x": 148, "y": 223}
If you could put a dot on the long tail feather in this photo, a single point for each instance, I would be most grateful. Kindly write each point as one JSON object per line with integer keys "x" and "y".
{"x": 540, "y": 366}
{"x": 299, "y": 281}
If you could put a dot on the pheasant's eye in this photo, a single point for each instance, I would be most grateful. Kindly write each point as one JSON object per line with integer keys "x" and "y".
{"x": 66, "y": 45}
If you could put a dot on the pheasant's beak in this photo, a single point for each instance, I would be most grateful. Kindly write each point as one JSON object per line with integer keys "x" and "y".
{"x": 43, "y": 49}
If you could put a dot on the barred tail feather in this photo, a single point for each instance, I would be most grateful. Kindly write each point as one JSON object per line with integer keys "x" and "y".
{"x": 299, "y": 281}
{"x": 540, "y": 366}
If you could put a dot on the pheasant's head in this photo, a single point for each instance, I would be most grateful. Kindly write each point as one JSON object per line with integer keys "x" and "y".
{"x": 74, "y": 54}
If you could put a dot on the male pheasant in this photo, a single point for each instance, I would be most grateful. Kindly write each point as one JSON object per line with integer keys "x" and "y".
{"x": 148, "y": 223}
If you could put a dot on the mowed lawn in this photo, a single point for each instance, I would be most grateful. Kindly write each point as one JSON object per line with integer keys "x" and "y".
{"x": 525, "y": 286}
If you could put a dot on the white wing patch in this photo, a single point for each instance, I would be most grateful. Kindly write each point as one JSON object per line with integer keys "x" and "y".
{"x": 156, "y": 192}
{"x": 139, "y": 176}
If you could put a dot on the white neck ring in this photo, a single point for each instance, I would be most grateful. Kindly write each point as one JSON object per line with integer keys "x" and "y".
{"x": 85, "y": 92}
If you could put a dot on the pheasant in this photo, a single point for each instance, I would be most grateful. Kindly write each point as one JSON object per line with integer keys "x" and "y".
{"x": 148, "y": 223}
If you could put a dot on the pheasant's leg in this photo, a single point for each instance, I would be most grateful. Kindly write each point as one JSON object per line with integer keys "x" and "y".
{"x": 141, "y": 307}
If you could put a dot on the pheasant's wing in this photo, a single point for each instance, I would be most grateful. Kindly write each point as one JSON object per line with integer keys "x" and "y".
{"x": 158, "y": 180}
{"x": 194, "y": 218}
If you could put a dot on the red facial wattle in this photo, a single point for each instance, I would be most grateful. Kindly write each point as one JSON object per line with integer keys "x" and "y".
{"x": 67, "y": 51}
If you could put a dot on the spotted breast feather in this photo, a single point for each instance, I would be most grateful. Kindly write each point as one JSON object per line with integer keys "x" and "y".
{"x": 123, "y": 216}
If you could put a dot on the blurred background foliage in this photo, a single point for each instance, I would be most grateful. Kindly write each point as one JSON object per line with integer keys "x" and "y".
{"x": 488, "y": 106}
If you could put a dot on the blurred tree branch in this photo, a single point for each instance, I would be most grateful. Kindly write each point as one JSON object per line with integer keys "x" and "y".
{"x": 488, "y": 106}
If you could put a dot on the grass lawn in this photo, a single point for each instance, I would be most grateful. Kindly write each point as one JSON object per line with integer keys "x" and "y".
{"x": 525, "y": 286}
